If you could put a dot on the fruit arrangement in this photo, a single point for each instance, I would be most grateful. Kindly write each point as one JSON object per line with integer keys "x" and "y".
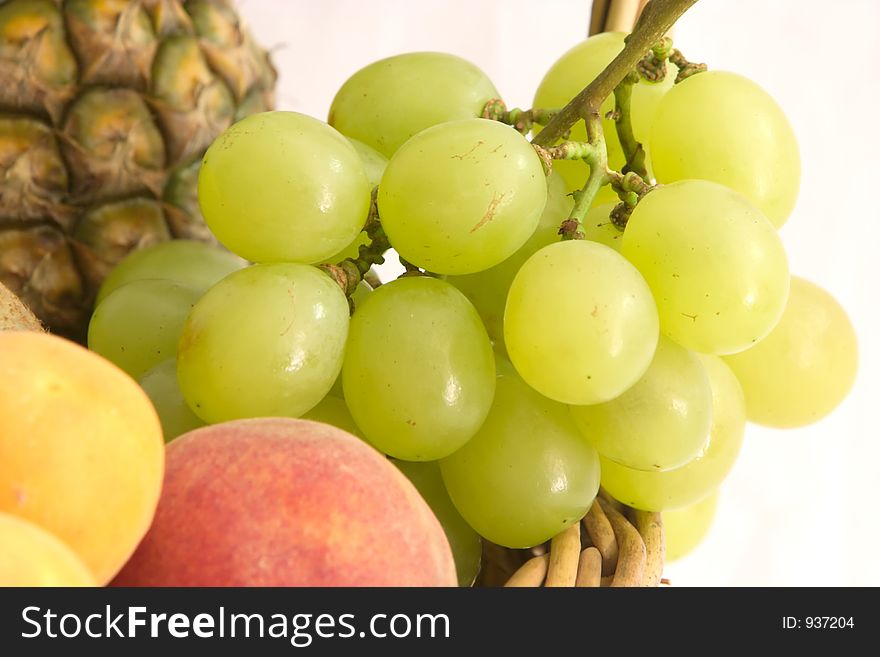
{"x": 594, "y": 301}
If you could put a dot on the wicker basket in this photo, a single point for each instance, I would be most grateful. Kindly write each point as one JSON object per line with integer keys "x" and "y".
{"x": 612, "y": 546}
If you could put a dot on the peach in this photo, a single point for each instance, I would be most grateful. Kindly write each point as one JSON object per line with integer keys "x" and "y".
{"x": 81, "y": 449}
{"x": 31, "y": 556}
{"x": 284, "y": 502}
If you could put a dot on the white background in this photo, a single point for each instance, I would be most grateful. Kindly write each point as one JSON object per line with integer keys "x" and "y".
{"x": 800, "y": 507}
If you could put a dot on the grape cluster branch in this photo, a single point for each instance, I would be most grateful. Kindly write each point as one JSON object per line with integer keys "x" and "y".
{"x": 685, "y": 68}
{"x": 597, "y": 160}
{"x": 630, "y": 188}
{"x": 521, "y": 120}
{"x": 652, "y": 66}
{"x": 656, "y": 19}
{"x": 352, "y": 271}
{"x": 633, "y": 150}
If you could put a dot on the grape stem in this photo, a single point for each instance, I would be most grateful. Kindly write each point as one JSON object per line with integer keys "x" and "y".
{"x": 567, "y": 150}
{"x": 685, "y": 68}
{"x": 630, "y": 188}
{"x": 372, "y": 279}
{"x": 652, "y": 66}
{"x": 521, "y": 120}
{"x": 655, "y": 21}
{"x": 352, "y": 271}
{"x": 632, "y": 149}
{"x": 597, "y": 160}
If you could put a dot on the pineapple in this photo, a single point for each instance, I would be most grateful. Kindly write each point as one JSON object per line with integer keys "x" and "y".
{"x": 14, "y": 315}
{"x": 106, "y": 107}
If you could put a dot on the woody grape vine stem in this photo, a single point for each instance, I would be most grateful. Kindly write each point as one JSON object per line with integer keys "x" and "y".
{"x": 656, "y": 19}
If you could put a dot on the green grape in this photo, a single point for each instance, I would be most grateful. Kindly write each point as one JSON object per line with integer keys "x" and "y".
{"x": 358, "y": 298}
{"x": 419, "y": 373}
{"x": 672, "y": 489}
{"x": 160, "y": 384}
{"x": 466, "y": 545}
{"x": 350, "y": 251}
{"x": 662, "y": 421}
{"x": 374, "y": 162}
{"x": 389, "y": 101}
{"x": 195, "y": 264}
{"x": 580, "y": 324}
{"x": 462, "y": 196}
{"x": 598, "y": 226}
{"x": 556, "y": 209}
{"x": 646, "y": 97}
{"x": 137, "y": 326}
{"x": 723, "y": 127}
{"x": 574, "y": 71}
{"x": 374, "y": 166}
{"x": 527, "y": 474}
{"x": 336, "y": 390}
{"x": 805, "y": 367}
{"x": 282, "y": 186}
{"x": 332, "y": 410}
{"x": 716, "y": 266}
{"x": 487, "y": 290}
{"x": 265, "y": 341}
{"x": 684, "y": 529}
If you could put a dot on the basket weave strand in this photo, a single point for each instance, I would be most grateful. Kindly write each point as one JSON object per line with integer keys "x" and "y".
{"x": 611, "y": 546}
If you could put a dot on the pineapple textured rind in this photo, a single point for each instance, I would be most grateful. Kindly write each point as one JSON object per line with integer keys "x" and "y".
{"x": 106, "y": 107}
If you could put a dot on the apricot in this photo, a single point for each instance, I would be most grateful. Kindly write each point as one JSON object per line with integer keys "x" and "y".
{"x": 81, "y": 449}
{"x": 285, "y": 502}
{"x": 31, "y": 556}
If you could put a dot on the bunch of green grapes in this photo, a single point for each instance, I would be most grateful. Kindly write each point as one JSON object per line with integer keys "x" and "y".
{"x": 509, "y": 372}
